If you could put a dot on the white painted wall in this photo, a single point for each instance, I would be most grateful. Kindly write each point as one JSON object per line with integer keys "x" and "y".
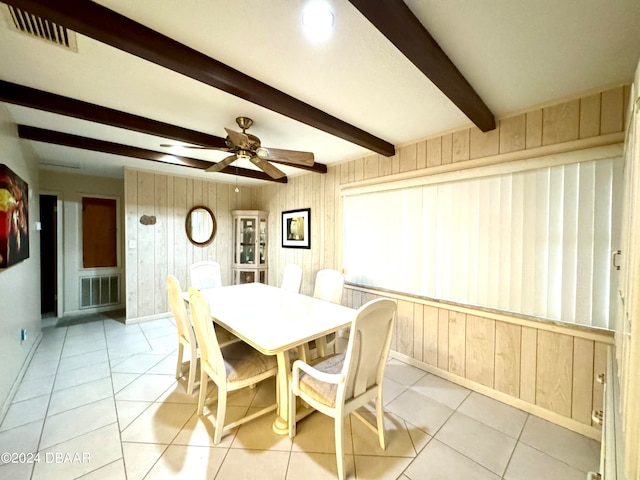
{"x": 70, "y": 188}
{"x": 20, "y": 283}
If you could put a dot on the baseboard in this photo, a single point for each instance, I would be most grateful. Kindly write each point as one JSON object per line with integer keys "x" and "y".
{"x": 569, "y": 423}
{"x": 16, "y": 384}
{"x": 148, "y": 318}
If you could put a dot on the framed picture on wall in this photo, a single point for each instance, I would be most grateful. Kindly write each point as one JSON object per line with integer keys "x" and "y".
{"x": 296, "y": 228}
{"x": 14, "y": 218}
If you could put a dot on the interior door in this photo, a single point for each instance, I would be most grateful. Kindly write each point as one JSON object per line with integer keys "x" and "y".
{"x": 99, "y": 233}
{"x": 48, "y": 255}
{"x": 627, "y": 335}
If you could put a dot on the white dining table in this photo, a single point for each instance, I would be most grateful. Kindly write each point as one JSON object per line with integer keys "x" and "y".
{"x": 275, "y": 321}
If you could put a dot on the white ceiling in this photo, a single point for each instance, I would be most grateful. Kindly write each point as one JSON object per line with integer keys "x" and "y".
{"x": 515, "y": 53}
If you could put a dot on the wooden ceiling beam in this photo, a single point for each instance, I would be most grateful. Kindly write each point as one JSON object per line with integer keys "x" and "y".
{"x": 50, "y": 102}
{"x": 70, "y": 107}
{"x": 397, "y": 22}
{"x": 65, "y": 139}
{"x": 111, "y": 28}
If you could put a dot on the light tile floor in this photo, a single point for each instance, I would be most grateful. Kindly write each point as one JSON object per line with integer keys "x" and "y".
{"x": 100, "y": 401}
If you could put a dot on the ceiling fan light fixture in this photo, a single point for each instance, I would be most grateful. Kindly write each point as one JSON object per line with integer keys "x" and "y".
{"x": 317, "y": 20}
{"x": 243, "y": 154}
{"x": 262, "y": 152}
{"x": 247, "y": 147}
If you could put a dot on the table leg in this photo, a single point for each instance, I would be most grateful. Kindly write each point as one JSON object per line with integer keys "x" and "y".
{"x": 281, "y": 425}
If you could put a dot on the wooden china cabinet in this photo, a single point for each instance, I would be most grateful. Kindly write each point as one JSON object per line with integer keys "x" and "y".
{"x": 249, "y": 246}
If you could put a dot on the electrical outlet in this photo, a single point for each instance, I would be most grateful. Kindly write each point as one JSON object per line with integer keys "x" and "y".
{"x": 23, "y": 334}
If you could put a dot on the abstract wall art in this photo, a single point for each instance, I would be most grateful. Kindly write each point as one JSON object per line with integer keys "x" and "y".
{"x": 14, "y": 218}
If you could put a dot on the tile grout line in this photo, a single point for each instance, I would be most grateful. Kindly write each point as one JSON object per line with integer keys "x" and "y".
{"x": 66, "y": 337}
{"x": 85, "y": 475}
{"x": 353, "y": 449}
{"x": 115, "y": 405}
{"x": 286, "y": 471}
{"x": 151, "y": 403}
{"x": 144, "y": 410}
{"x": 464, "y": 455}
{"x": 44, "y": 420}
{"x": 112, "y": 397}
{"x": 552, "y": 456}
{"x": 406, "y": 424}
{"x": 506, "y": 467}
{"x": 433, "y": 437}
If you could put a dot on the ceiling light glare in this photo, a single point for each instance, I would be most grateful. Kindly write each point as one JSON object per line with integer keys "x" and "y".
{"x": 178, "y": 150}
{"x": 317, "y": 20}
{"x": 171, "y": 159}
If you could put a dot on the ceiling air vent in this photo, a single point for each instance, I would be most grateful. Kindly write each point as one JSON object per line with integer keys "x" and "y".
{"x": 39, "y": 27}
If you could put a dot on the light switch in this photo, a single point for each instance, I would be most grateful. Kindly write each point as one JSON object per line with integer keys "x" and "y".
{"x": 132, "y": 244}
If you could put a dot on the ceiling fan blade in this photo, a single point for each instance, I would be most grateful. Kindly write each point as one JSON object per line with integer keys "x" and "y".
{"x": 239, "y": 139}
{"x": 221, "y": 164}
{"x": 267, "y": 168}
{"x": 291, "y": 156}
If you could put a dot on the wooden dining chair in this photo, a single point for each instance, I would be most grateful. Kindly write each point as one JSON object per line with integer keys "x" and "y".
{"x": 186, "y": 335}
{"x": 231, "y": 367}
{"x": 205, "y": 274}
{"x": 328, "y": 286}
{"x": 338, "y": 384}
{"x": 291, "y": 278}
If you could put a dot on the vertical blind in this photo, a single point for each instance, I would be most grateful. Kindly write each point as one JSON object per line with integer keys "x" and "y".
{"x": 536, "y": 242}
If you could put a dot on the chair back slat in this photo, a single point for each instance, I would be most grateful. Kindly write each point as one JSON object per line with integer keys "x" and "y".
{"x": 176, "y": 303}
{"x": 368, "y": 348}
{"x": 329, "y": 285}
{"x": 205, "y": 274}
{"x": 291, "y": 278}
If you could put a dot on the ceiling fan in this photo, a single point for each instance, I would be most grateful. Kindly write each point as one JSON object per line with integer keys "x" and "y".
{"x": 245, "y": 145}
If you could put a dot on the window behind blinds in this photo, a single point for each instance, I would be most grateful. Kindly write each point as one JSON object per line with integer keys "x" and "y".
{"x": 536, "y": 242}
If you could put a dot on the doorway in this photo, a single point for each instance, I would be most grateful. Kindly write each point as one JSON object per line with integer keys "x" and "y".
{"x": 49, "y": 255}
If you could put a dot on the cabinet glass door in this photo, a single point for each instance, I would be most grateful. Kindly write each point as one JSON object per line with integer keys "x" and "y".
{"x": 247, "y": 240}
{"x": 246, "y": 276}
{"x": 263, "y": 241}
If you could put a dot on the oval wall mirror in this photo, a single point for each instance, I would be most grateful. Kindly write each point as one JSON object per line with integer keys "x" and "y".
{"x": 201, "y": 226}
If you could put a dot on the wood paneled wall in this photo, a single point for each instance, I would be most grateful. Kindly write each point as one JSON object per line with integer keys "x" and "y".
{"x": 595, "y": 115}
{"x": 543, "y": 367}
{"x": 153, "y": 251}
{"x": 321, "y": 193}
{"x": 547, "y": 371}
